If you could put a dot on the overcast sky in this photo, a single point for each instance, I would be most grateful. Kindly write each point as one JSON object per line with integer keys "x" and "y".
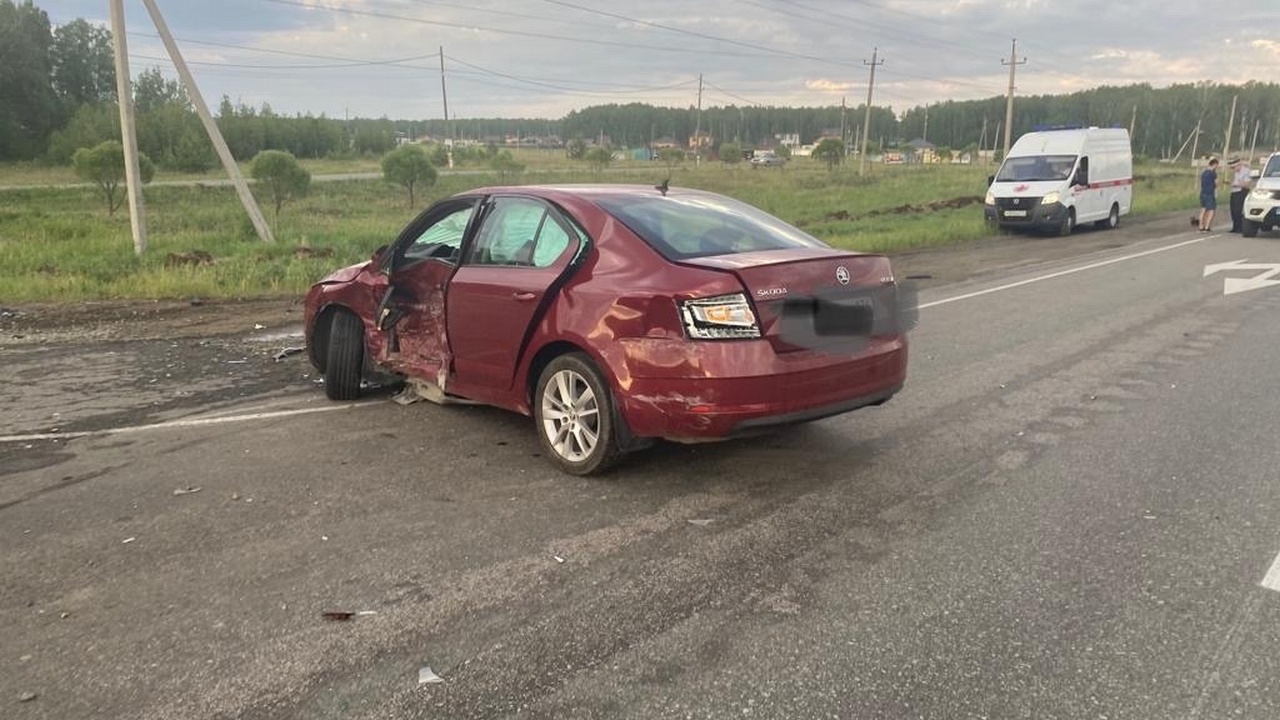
{"x": 543, "y": 58}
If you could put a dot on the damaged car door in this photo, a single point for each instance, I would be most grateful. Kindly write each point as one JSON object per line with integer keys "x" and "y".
{"x": 509, "y": 274}
{"x": 411, "y": 315}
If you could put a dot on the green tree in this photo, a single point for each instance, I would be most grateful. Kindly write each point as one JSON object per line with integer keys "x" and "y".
{"x": 29, "y": 110}
{"x": 82, "y": 65}
{"x": 599, "y": 157}
{"x": 783, "y": 152}
{"x": 506, "y": 165}
{"x": 152, "y": 91}
{"x": 90, "y": 125}
{"x": 829, "y": 151}
{"x": 671, "y": 156}
{"x": 103, "y": 165}
{"x": 280, "y": 174}
{"x": 408, "y": 166}
{"x": 730, "y": 153}
{"x": 576, "y": 149}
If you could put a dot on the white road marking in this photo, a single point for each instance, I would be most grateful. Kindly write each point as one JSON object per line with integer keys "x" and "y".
{"x": 1272, "y": 579}
{"x": 1231, "y": 286}
{"x": 193, "y": 422}
{"x": 1069, "y": 271}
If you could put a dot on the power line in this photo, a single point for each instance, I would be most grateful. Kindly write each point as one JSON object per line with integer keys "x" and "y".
{"x": 694, "y": 33}
{"x": 290, "y": 53}
{"x": 548, "y": 83}
{"x": 509, "y": 31}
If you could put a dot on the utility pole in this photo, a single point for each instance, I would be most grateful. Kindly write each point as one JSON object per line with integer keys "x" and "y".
{"x": 1013, "y": 62}
{"x": 210, "y": 127}
{"x": 128, "y": 133}
{"x": 697, "y": 132}
{"x": 1226, "y": 145}
{"x": 1195, "y": 144}
{"x": 1254, "y": 145}
{"x": 925, "y": 136}
{"x": 1133, "y": 121}
{"x": 444, "y": 97}
{"x": 866, "y": 123}
{"x": 982, "y": 141}
{"x": 844, "y": 140}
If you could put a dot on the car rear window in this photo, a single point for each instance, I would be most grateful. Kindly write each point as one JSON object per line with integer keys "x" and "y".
{"x": 691, "y": 226}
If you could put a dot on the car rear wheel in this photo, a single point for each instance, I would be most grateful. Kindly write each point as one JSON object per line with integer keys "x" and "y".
{"x": 573, "y": 409}
{"x": 344, "y": 359}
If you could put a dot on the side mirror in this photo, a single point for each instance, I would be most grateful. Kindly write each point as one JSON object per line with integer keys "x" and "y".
{"x": 1255, "y": 174}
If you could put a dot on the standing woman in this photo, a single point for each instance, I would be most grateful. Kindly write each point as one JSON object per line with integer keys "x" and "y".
{"x": 1208, "y": 194}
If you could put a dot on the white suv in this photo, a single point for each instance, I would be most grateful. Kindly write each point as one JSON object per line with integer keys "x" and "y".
{"x": 1262, "y": 204}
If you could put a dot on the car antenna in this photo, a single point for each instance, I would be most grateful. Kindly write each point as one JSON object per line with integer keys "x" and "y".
{"x": 664, "y": 187}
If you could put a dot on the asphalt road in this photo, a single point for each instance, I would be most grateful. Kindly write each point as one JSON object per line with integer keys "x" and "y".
{"x": 1069, "y": 512}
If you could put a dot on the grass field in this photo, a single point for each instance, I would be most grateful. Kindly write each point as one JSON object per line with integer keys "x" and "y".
{"x": 59, "y": 244}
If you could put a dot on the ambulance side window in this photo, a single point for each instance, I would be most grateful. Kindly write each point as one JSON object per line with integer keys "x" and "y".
{"x": 1082, "y": 173}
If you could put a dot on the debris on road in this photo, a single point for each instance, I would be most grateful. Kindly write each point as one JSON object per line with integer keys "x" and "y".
{"x": 259, "y": 326}
{"x": 286, "y": 353}
{"x": 407, "y": 396}
{"x": 701, "y": 522}
{"x": 27, "y": 697}
{"x": 558, "y": 558}
{"x": 128, "y": 540}
{"x": 426, "y": 675}
{"x": 186, "y": 491}
{"x": 345, "y": 615}
{"x": 237, "y": 362}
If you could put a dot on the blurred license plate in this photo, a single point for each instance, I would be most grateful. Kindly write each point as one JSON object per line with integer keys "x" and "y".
{"x": 1015, "y": 213}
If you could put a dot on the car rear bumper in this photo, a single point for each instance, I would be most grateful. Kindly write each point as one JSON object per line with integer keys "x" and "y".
{"x": 734, "y": 396}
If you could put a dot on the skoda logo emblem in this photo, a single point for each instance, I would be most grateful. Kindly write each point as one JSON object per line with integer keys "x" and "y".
{"x": 842, "y": 275}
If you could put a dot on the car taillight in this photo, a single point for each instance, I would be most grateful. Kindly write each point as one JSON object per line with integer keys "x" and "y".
{"x": 720, "y": 317}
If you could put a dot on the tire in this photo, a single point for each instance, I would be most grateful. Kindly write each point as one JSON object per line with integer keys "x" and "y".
{"x": 344, "y": 361}
{"x": 573, "y": 414}
{"x": 1112, "y": 221}
{"x": 1068, "y": 223}
{"x": 1249, "y": 228}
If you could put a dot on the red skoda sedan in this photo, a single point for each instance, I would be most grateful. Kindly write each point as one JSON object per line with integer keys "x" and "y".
{"x": 615, "y": 315}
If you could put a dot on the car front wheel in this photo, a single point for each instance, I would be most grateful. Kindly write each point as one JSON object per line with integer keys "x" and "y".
{"x": 573, "y": 409}
{"x": 344, "y": 361}
{"x": 1249, "y": 228}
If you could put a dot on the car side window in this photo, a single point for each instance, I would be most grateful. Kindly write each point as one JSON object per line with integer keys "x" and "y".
{"x": 519, "y": 232}
{"x": 442, "y": 239}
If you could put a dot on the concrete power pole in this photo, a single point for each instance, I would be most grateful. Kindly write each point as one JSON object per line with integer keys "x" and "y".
{"x": 1231, "y": 122}
{"x": 697, "y": 131}
{"x": 844, "y": 140}
{"x": 1013, "y": 62}
{"x": 211, "y": 127}
{"x": 866, "y": 124}
{"x": 444, "y": 96}
{"x": 128, "y": 133}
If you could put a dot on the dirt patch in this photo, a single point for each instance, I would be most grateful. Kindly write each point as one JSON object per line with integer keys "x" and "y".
{"x": 934, "y": 206}
{"x": 145, "y": 319}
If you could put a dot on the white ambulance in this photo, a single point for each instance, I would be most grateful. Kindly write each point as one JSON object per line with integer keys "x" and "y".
{"x": 1058, "y": 178}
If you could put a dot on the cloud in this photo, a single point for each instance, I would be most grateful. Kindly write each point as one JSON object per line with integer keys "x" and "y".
{"x": 828, "y": 86}
{"x": 531, "y": 58}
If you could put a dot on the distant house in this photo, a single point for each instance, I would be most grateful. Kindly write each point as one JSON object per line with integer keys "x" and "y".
{"x": 701, "y": 140}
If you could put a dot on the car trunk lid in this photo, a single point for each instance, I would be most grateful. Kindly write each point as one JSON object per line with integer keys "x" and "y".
{"x": 814, "y": 299}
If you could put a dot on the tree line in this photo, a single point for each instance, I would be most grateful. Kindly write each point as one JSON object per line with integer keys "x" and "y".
{"x": 57, "y": 95}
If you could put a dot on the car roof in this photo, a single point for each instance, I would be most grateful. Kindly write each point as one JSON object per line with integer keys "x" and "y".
{"x": 586, "y": 191}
